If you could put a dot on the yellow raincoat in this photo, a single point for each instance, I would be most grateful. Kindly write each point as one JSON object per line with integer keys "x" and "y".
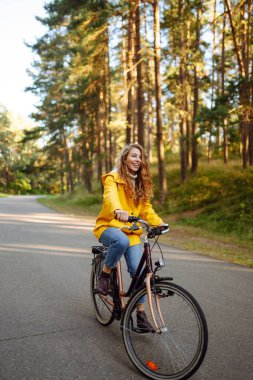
{"x": 116, "y": 197}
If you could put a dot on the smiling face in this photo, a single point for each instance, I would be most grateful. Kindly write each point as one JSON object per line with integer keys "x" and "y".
{"x": 133, "y": 160}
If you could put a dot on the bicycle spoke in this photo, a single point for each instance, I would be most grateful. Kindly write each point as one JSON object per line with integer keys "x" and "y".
{"x": 179, "y": 349}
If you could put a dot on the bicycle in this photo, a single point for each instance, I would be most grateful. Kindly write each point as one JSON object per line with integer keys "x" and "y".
{"x": 177, "y": 346}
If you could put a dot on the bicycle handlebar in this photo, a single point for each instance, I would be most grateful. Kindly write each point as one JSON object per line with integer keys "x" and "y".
{"x": 151, "y": 231}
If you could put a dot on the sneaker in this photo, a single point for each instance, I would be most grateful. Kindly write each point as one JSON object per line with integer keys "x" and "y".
{"x": 103, "y": 284}
{"x": 143, "y": 325}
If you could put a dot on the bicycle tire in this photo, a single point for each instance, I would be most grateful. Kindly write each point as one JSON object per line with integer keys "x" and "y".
{"x": 103, "y": 306}
{"x": 174, "y": 354}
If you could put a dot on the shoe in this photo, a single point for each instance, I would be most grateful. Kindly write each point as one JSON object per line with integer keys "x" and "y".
{"x": 143, "y": 325}
{"x": 103, "y": 284}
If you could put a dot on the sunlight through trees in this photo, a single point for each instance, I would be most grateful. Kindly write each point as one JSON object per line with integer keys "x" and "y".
{"x": 176, "y": 76}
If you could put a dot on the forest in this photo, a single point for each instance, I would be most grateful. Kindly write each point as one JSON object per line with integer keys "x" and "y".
{"x": 174, "y": 75}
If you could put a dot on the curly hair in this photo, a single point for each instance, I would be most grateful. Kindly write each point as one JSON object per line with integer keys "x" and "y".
{"x": 143, "y": 190}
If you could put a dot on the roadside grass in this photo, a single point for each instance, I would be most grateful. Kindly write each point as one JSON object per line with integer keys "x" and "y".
{"x": 211, "y": 213}
{"x": 80, "y": 203}
{"x": 210, "y": 244}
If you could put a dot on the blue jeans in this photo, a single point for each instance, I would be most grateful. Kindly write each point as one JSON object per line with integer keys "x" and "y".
{"x": 118, "y": 245}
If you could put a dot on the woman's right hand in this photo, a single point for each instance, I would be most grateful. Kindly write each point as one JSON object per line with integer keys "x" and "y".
{"x": 121, "y": 215}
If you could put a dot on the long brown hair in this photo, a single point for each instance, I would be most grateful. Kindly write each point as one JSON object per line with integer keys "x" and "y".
{"x": 143, "y": 190}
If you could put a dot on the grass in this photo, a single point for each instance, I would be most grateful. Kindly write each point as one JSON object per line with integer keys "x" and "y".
{"x": 219, "y": 199}
{"x": 210, "y": 244}
{"x": 80, "y": 203}
{"x": 2, "y": 195}
{"x": 211, "y": 213}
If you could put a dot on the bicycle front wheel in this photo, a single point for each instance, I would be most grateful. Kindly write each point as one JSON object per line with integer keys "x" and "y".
{"x": 178, "y": 349}
{"x": 103, "y": 306}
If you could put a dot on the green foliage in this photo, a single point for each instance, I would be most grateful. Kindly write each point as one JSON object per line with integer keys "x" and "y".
{"x": 80, "y": 197}
{"x": 20, "y": 159}
{"x": 20, "y": 184}
{"x": 81, "y": 76}
{"x": 218, "y": 198}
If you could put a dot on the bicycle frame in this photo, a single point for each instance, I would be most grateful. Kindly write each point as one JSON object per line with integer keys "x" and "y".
{"x": 142, "y": 273}
{"x": 137, "y": 279}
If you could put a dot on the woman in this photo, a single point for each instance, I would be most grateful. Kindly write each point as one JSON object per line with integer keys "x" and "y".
{"x": 127, "y": 191}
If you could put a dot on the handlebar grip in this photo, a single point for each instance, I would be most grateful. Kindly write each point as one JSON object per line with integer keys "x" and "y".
{"x": 132, "y": 219}
{"x": 155, "y": 232}
{"x": 159, "y": 230}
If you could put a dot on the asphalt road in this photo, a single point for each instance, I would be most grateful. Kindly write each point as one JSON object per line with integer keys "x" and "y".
{"x": 47, "y": 329}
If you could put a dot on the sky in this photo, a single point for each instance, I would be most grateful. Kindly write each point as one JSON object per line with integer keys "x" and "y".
{"x": 18, "y": 24}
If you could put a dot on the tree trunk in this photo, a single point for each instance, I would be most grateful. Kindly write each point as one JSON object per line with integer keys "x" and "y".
{"x": 242, "y": 49}
{"x": 125, "y": 35}
{"x": 105, "y": 117}
{"x": 188, "y": 137}
{"x": 109, "y": 110}
{"x": 99, "y": 153}
{"x": 250, "y": 55}
{"x": 233, "y": 28}
{"x": 87, "y": 169}
{"x": 138, "y": 60}
{"x": 68, "y": 165}
{"x": 225, "y": 141}
{"x": 244, "y": 121}
{"x": 130, "y": 76}
{"x": 150, "y": 86}
{"x": 224, "y": 123}
{"x": 61, "y": 175}
{"x": 182, "y": 79}
{"x": 188, "y": 95}
{"x": 158, "y": 91}
{"x": 194, "y": 164}
{"x": 194, "y": 156}
{"x": 87, "y": 174}
{"x": 209, "y": 154}
{"x": 251, "y": 119}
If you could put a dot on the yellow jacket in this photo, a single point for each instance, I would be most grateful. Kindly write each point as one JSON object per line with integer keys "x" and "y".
{"x": 116, "y": 197}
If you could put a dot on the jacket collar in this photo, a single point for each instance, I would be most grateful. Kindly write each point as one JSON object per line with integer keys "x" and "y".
{"x": 115, "y": 176}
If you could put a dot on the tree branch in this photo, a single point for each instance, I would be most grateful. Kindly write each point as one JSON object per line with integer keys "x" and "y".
{"x": 237, "y": 50}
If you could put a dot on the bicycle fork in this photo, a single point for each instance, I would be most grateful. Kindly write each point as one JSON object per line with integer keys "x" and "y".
{"x": 162, "y": 327}
{"x": 159, "y": 327}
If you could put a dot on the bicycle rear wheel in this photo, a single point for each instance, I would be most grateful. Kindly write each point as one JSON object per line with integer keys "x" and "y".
{"x": 179, "y": 349}
{"x": 103, "y": 306}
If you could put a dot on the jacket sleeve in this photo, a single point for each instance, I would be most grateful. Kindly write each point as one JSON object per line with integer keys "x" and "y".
{"x": 111, "y": 197}
{"x": 147, "y": 213}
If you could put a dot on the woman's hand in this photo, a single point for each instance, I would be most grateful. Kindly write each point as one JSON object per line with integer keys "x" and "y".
{"x": 121, "y": 215}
